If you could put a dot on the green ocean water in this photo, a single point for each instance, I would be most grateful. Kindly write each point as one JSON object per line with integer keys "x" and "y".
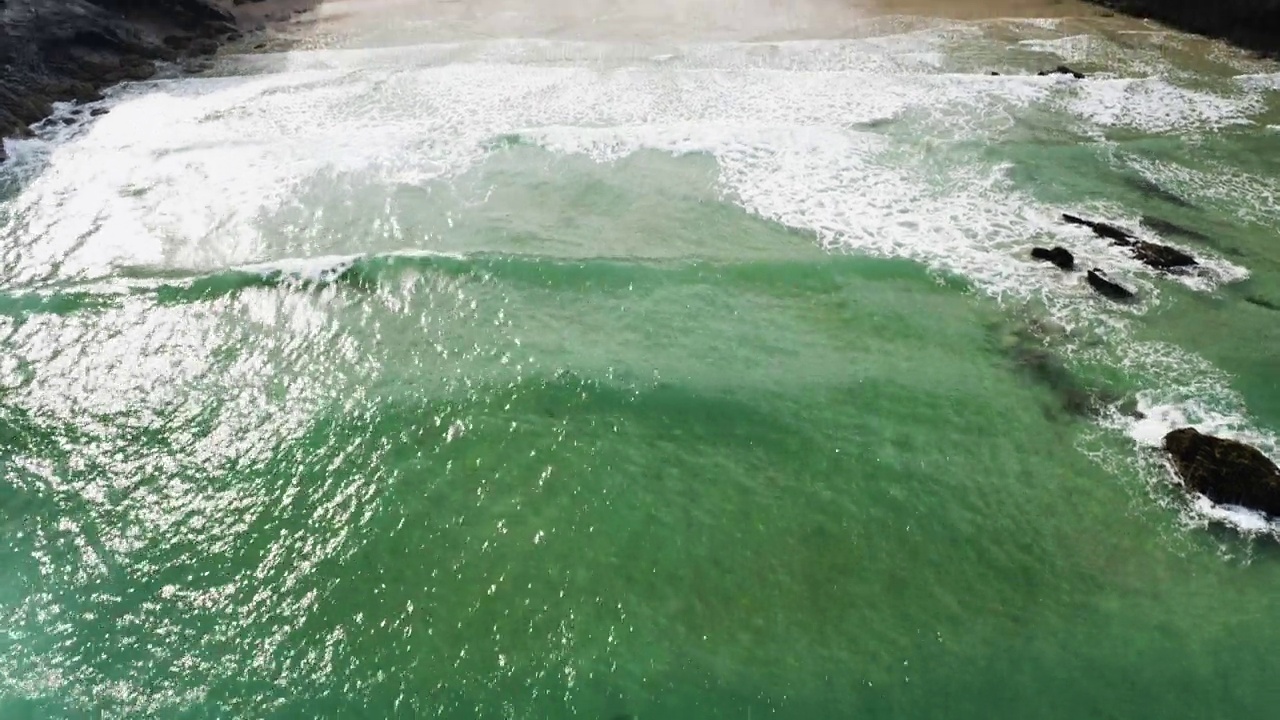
{"x": 521, "y": 382}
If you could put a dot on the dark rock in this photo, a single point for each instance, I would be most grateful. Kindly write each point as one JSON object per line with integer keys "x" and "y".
{"x": 21, "y": 105}
{"x": 96, "y": 112}
{"x": 994, "y": 73}
{"x": 178, "y": 42}
{"x": 234, "y": 37}
{"x": 182, "y": 14}
{"x": 1129, "y": 408}
{"x": 1225, "y": 471}
{"x": 1062, "y": 70}
{"x": 1104, "y": 287}
{"x": 140, "y": 70}
{"x": 1057, "y": 255}
{"x": 85, "y": 92}
{"x": 1251, "y": 24}
{"x": 1161, "y": 257}
{"x": 1074, "y": 220}
{"x": 1102, "y": 229}
{"x": 1156, "y": 255}
{"x": 218, "y": 29}
{"x": 68, "y": 121}
{"x": 64, "y": 50}
{"x": 203, "y": 46}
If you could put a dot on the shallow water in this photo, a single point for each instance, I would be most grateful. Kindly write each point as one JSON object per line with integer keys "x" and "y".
{"x": 661, "y": 362}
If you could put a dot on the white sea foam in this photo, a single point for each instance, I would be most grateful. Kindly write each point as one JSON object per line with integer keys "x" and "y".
{"x": 1260, "y": 81}
{"x": 183, "y": 170}
{"x": 1157, "y": 106}
{"x": 178, "y": 162}
{"x": 1249, "y": 195}
{"x": 1072, "y": 48}
{"x": 1162, "y": 417}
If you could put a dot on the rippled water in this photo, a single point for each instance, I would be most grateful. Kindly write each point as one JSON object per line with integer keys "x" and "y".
{"x": 667, "y": 362}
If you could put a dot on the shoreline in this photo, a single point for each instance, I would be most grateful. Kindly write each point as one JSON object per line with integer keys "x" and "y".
{"x": 55, "y": 51}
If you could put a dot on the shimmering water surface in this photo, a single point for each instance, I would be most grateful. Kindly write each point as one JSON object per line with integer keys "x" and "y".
{"x": 508, "y": 360}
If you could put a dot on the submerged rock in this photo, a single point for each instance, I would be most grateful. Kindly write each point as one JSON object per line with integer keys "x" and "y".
{"x": 1028, "y": 346}
{"x": 1106, "y": 288}
{"x": 1151, "y": 189}
{"x": 1168, "y": 227}
{"x": 1225, "y": 471}
{"x": 1262, "y": 302}
{"x": 1044, "y": 367}
{"x": 1057, "y": 255}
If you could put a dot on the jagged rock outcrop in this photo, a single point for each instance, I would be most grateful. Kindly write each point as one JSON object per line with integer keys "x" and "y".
{"x": 1103, "y": 286}
{"x": 1161, "y": 257}
{"x": 68, "y": 50}
{"x": 1059, "y": 256}
{"x": 61, "y": 50}
{"x": 1225, "y": 471}
{"x": 1101, "y": 229}
{"x": 1062, "y": 70}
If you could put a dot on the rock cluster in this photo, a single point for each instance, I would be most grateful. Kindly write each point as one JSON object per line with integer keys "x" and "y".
{"x": 1161, "y": 257}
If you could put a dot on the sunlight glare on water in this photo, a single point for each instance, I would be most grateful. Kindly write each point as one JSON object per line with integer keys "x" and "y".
{"x": 641, "y": 360}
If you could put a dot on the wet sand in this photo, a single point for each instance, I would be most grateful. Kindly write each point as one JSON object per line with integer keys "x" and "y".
{"x": 365, "y": 22}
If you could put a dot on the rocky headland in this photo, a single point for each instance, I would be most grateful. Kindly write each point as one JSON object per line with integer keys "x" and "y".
{"x": 69, "y": 50}
{"x": 1251, "y": 24}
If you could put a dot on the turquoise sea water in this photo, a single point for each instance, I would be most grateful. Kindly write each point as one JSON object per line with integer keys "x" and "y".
{"x": 539, "y": 378}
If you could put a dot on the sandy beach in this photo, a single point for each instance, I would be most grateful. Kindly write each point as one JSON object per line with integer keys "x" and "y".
{"x": 374, "y": 21}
